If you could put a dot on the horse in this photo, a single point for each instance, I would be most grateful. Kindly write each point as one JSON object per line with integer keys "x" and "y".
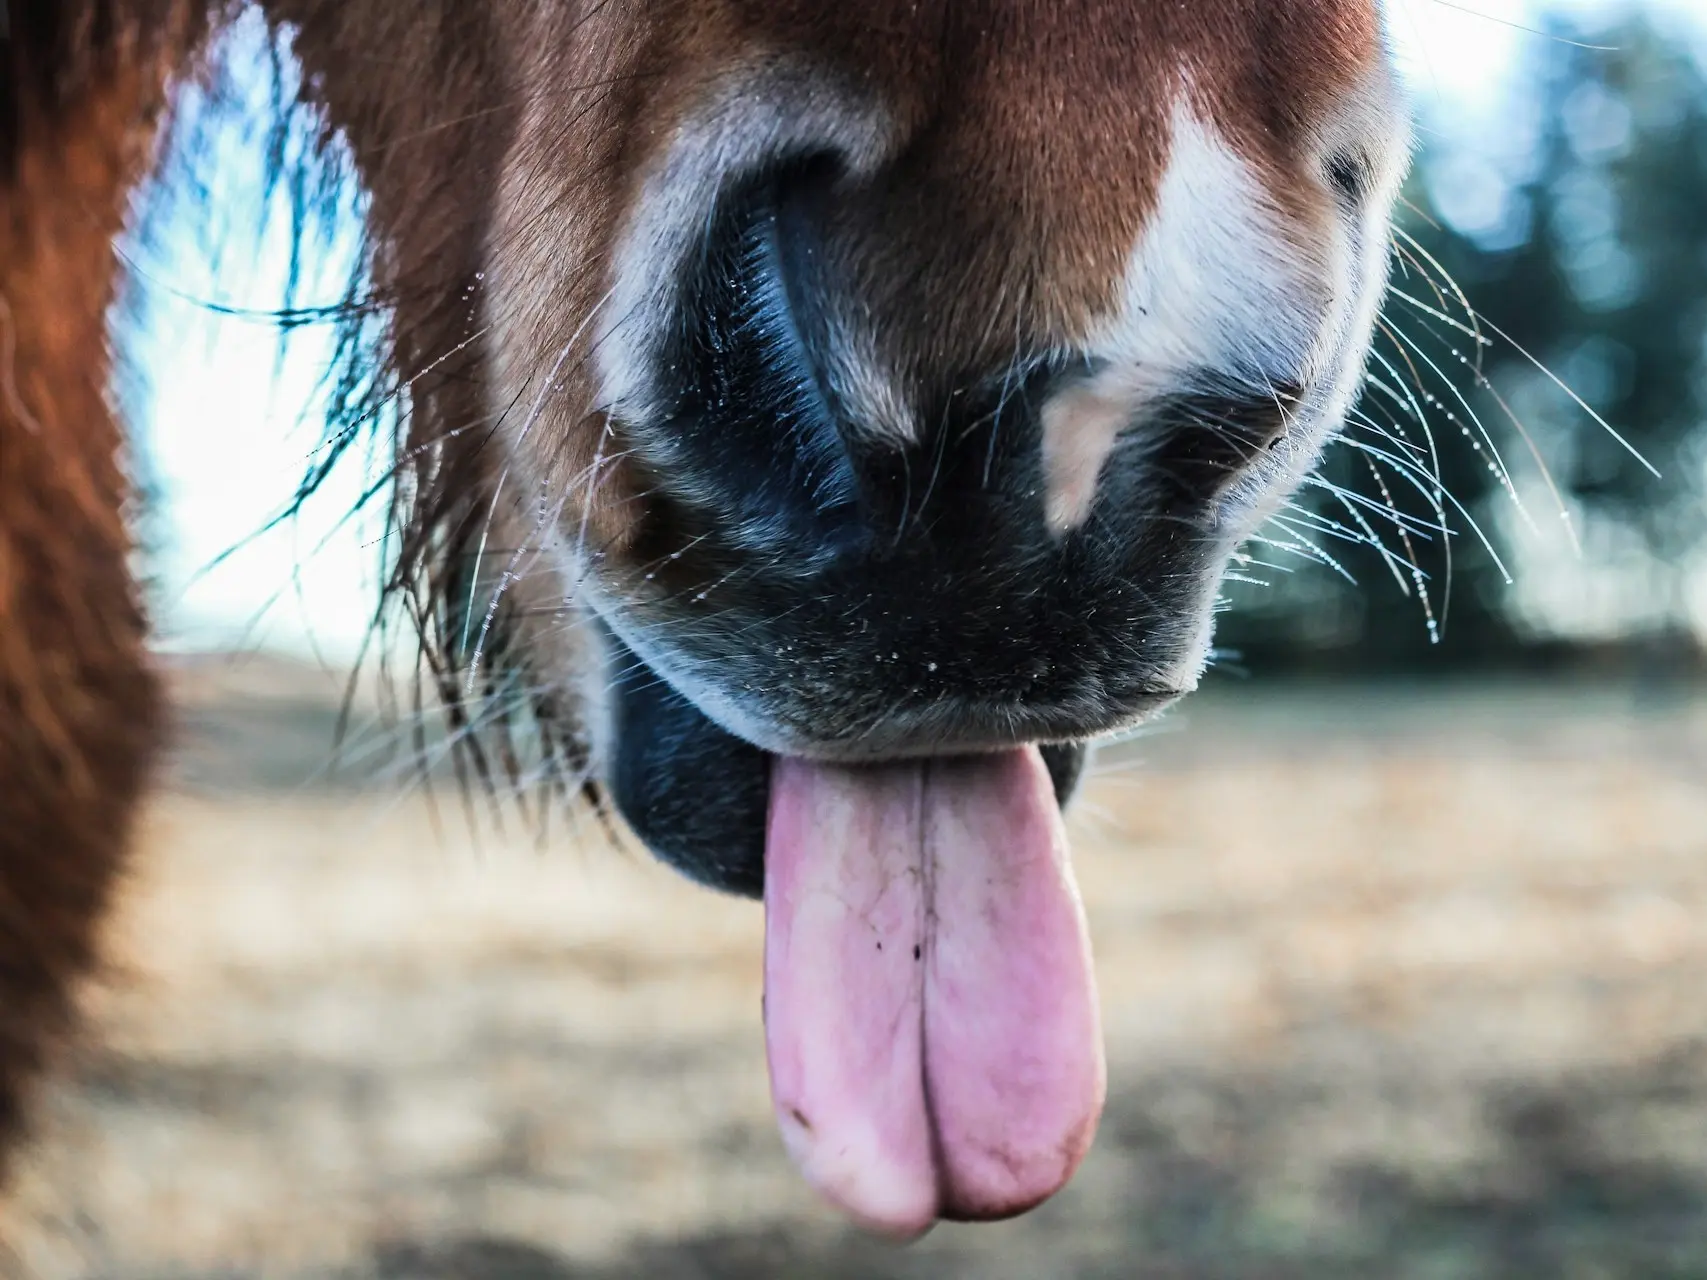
{"x": 815, "y": 425}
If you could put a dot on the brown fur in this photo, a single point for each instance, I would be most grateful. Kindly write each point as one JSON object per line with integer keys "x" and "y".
{"x": 509, "y": 139}
{"x": 79, "y": 706}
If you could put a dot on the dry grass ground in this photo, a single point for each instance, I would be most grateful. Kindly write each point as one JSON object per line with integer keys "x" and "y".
{"x": 1397, "y": 984}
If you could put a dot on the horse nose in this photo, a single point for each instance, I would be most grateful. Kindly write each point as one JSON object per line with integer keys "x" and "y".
{"x": 770, "y": 408}
{"x": 778, "y": 401}
{"x": 778, "y": 387}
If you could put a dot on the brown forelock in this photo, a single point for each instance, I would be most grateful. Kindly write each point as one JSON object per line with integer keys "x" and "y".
{"x": 79, "y": 713}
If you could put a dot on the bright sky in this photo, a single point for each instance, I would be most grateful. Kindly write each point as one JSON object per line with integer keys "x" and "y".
{"x": 227, "y": 427}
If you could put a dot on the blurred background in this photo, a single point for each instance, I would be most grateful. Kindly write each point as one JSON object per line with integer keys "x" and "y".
{"x": 1401, "y": 923}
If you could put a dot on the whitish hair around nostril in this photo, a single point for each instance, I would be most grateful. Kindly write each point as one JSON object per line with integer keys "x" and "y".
{"x": 753, "y": 122}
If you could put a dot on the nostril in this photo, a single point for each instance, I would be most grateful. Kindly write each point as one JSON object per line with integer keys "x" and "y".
{"x": 1189, "y": 446}
{"x": 1211, "y": 438}
{"x": 751, "y": 431}
{"x": 804, "y": 196}
{"x": 801, "y": 195}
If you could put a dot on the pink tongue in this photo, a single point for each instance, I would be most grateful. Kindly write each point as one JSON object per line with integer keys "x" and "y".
{"x": 930, "y": 1009}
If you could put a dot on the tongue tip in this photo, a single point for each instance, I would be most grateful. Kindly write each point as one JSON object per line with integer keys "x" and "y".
{"x": 971, "y": 1213}
{"x": 899, "y": 1209}
{"x": 896, "y": 1207}
{"x": 900, "y": 1227}
{"x": 897, "y": 1230}
{"x": 878, "y": 1211}
{"x": 878, "y": 1186}
{"x": 1009, "y": 1188}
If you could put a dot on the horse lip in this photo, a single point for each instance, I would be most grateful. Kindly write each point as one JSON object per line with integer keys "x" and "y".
{"x": 897, "y": 741}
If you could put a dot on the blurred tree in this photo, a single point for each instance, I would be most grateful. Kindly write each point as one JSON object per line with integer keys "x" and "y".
{"x": 1589, "y": 250}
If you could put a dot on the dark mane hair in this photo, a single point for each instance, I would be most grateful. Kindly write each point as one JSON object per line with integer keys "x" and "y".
{"x": 404, "y": 388}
